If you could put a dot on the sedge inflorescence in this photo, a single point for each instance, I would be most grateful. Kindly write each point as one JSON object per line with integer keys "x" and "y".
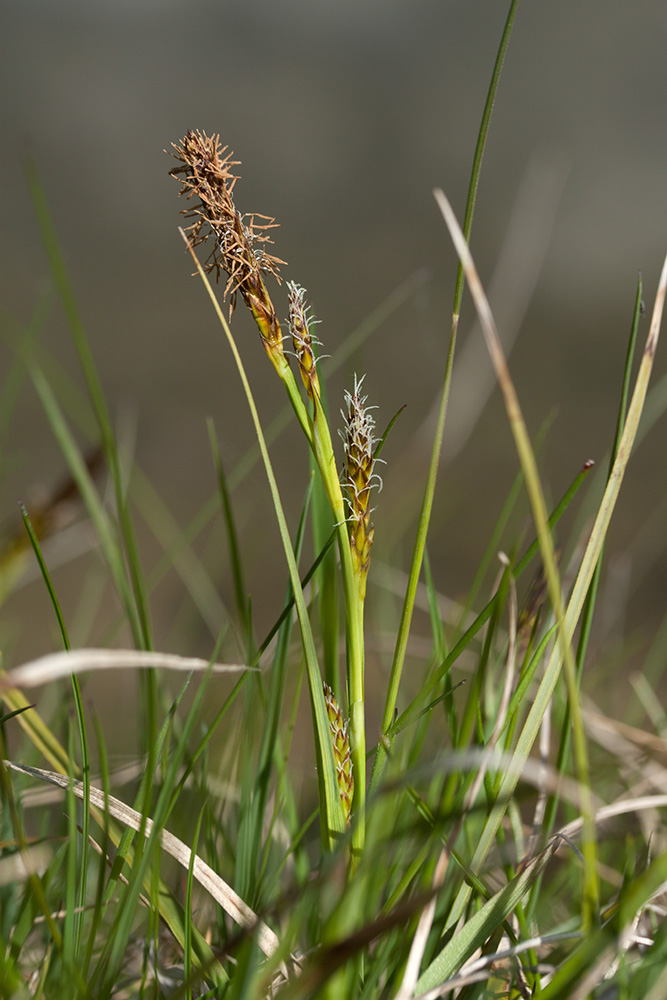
{"x": 239, "y": 241}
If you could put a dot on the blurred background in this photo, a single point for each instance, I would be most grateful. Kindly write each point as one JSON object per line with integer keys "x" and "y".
{"x": 345, "y": 116}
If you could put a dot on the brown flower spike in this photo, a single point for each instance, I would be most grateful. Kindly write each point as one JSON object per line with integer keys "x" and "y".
{"x": 206, "y": 175}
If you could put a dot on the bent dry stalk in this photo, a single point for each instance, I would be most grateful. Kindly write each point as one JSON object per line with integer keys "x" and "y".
{"x": 207, "y": 180}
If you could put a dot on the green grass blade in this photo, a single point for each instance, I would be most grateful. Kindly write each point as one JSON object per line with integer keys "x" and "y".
{"x": 187, "y": 956}
{"x": 251, "y": 825}
{"x": 483, "y": 923}
{"x": 55, "y": 603}
{"x": 240, "y": 592}
{"x": 538, "y": 506}
{"x": 97, "y": 913}
{"x": 589, "y": 604}
{"x": 415, "y": 707}
{"x": 78, "y": 907}
{"x": 429, "y": 491}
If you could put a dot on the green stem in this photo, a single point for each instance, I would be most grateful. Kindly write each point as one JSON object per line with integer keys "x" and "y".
{"x": 319, "y": 437}
{"x": 354, "y": 621}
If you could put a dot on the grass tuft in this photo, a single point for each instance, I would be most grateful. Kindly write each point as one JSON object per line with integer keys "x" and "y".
{"x": 508, "y": 840}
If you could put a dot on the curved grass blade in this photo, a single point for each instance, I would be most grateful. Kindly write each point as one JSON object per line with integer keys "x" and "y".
{"x": 216, "y": 887}
{"x": 381, "y": 443}
{"x": 140, "y": 617}
{"x": 56, "y": 665}
{"x": 538, "y": 506}
{"x": 589, "y": 605}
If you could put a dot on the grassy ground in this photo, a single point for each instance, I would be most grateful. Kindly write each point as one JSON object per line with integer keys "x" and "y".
{"x": 496, "y": 835}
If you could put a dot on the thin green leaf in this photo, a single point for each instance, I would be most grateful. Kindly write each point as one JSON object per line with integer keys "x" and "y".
{"x": 381, "y": 443}
{"x": 187, "y": 951}
{"x": 429, "y": 490}
{"x": 240, "y": 593}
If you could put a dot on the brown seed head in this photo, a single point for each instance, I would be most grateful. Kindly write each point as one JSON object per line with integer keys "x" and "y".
{"x": 206, "y": 176}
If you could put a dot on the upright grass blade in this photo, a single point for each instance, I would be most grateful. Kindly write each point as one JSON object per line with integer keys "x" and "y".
{"x": 78, "y": 908}
{"x": 429, "y": 491}
{"x": 240, "y": 593}
{"x": 188, "y": 949}
{"x": 587, "y": 614}
{"x": 479, "y": 928}
{"x": 333, "y": 823}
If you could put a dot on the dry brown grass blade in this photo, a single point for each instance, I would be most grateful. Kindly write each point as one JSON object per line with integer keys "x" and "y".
{"x": 223, "y": 894}
{"x": 76, "y": 661}
{"x": 621, "y": 808}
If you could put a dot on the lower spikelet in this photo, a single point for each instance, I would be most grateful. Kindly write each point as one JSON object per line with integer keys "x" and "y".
{"x": 340, "y": 741}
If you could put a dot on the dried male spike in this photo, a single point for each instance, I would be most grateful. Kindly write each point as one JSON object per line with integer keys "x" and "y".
{"x": 206, "y": 175}
{"x": 340, "y": 742}
{"x": 359, "y": 477}
{"x": 300, "y": 322}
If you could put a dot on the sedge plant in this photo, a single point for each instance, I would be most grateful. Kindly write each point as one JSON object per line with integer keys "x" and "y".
{"x": 419, "y": 871}
{"x": 239, "y": 252}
